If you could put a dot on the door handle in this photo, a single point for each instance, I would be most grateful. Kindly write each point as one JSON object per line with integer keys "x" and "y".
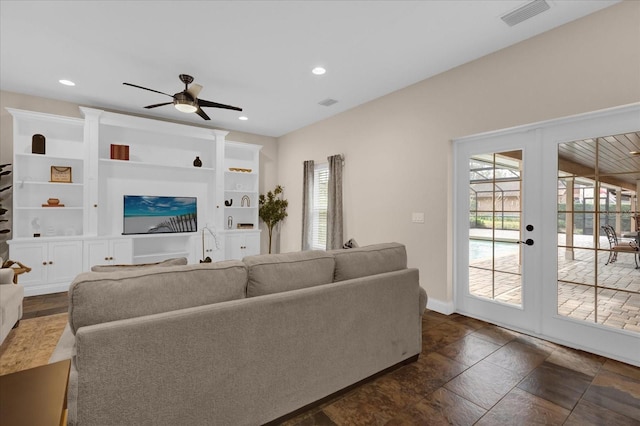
{"x": 528, "y": 242}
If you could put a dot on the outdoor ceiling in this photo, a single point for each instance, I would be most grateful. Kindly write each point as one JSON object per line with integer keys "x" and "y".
{"x": 611, "y": 155}
{"x": 257, "y": 55}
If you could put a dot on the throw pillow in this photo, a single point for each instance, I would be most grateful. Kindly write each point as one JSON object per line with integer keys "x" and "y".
{"x": 350, "y": 244}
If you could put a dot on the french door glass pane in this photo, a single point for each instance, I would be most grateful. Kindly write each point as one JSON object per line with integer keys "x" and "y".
{"x": 495, "y": 204}
{"x": 598, "y": 255}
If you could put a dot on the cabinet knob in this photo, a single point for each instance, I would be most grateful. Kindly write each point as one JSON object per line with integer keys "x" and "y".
{"x": 95, "y": 205}
{"x": 106, "y": 258}
{"x": 50, "y": 262}
{"x": 44, "y": 263}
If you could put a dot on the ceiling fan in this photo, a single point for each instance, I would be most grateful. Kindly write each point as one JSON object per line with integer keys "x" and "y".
{"x": 187, "y": 100}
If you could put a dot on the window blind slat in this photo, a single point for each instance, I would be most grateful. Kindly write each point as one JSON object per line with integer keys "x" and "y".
{"x": 320, "y": 201}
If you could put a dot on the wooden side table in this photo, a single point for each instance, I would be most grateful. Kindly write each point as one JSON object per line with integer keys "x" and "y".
{"x": 37, "y": 396}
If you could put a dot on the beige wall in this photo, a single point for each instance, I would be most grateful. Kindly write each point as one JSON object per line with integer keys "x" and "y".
{"x": 398, "y": 148}
{"x": 268, "y": 155}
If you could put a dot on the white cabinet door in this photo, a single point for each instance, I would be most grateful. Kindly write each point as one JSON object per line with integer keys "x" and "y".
{"x": 107, "y": 252}
{"x": 252, "y": 244}
{"x": 53, "y": 265}
{"x": 121, "y": 251}
{"x": 241, "y": 244}
{"x": 64, "y": 261}
{"x": 96, "y": 252}
{"x": 234, "y": 246}
{"x": 33, "y": 255}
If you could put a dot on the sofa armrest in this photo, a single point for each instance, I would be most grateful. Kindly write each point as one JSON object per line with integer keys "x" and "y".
{"x": 6, "y": 275}
{"x": 422, "y": 300}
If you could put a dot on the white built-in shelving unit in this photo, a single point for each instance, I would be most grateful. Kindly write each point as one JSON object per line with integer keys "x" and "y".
{"x": 88, "y": 229}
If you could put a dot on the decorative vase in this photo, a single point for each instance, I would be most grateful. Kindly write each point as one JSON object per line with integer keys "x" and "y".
{"x": 38, "y": 144}
{"x": 230, "y": 222}
{"x": 197, "y": 162}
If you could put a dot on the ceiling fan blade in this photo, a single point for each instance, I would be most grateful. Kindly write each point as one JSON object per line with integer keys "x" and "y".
{"x": 202, "y": 114}
{"x": 194, "y": 90}
{"x": 145, "y": 88}
{"x": 204, "y": 103}
{"x": 157, "y": 105}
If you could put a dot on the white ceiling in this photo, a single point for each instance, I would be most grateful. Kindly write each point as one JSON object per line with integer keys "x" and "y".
{"x": 257, "y": 55}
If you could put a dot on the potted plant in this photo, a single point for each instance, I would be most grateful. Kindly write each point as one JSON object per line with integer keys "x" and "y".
{"x": 273, "y": 209}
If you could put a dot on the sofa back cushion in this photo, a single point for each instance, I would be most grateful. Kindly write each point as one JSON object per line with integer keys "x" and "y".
{"x": 114, "y": 268}
{"x": 275, "y": 273}
{"x": 98, "y": 297}
{"x": 369, "y": 260}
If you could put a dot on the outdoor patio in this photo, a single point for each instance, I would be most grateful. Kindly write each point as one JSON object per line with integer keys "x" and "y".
{"x": 617, "y": 294}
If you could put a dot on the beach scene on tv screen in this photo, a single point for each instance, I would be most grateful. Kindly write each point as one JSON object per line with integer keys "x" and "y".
{"x": 150, "y": 215}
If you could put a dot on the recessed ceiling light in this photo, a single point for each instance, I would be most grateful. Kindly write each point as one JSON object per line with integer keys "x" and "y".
{"x": 67, "y": 82}
{"x": 318, "y": 70}
{"x": 243, "y": 118}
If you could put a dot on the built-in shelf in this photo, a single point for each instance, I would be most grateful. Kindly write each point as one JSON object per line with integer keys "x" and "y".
{"x": 33, "y": 182}
{"x": 150, "y": 257}
{"x": 50, "y": 208}
{"x": 164, "y": 167}
{"x": 88, "y": 230}
{"x": 46, "y": 157}
{"x": 161, "y": 235}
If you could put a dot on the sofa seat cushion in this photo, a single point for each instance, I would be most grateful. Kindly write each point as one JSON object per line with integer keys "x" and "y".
{"x": 98, "y": 297}
{"x": 113, "y": 268}
{"x": 275, "y": 273}
{"x": 369, "y": 260}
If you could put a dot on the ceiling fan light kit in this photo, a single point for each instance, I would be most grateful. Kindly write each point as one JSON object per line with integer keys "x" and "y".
{"x": 187, "y": 101}
{"x": 184, "y": 103}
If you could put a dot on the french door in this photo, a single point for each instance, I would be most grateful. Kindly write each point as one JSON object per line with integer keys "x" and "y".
{"x": 498, "y": 228}
{"x": 530, "y": 253}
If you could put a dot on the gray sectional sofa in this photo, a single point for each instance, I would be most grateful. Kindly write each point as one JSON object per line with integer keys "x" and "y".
{"x": 236, "y": 342}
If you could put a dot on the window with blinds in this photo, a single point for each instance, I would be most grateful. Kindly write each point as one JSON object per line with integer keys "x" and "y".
{"x": 319, "y": 214}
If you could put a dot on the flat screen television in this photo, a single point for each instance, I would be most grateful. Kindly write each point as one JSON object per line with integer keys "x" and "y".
{"x": 145, "y": 214}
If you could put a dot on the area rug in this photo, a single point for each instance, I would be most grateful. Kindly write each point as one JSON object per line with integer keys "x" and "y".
{"x": 31, "y": 343}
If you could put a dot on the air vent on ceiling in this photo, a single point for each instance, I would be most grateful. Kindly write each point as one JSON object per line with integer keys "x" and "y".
{"x": 327, "y": 102}
{"x": 525, "y": 12}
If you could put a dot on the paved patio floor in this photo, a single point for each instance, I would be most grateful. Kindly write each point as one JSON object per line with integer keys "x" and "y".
{"x": 614, "y": 301}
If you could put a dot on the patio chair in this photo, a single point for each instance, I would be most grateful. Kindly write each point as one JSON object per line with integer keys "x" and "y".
{"x": 615, "y": 247}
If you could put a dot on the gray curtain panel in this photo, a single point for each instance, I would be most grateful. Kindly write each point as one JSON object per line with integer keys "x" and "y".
{"x": 307, "y": 205}
{"x": 334, "y": 203}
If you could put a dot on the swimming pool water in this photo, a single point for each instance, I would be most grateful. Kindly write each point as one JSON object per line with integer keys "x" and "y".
{"x": 481, "y": 249}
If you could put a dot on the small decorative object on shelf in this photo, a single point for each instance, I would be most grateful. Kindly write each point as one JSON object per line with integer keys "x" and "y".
{"x": 38, "y": 144}
{"x": 53, "y": 202}
{"x": 247, "y": 199}
{"x": 228, "y": 203}
{"x": 120, "y": 152}
{"x": 245, "y": 226}
{"x": 238, "y": 169}
{"x": 35, "y": 225}
{"x": 197, "y": 162}
{"x": 60, "y": 174}
{"x": 230, "y": 222}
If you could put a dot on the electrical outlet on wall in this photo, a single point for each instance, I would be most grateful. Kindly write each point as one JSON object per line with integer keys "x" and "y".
{"x": 417, "y": 217}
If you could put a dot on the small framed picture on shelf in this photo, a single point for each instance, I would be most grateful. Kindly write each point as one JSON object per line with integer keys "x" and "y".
{"x": 60, "y": 174}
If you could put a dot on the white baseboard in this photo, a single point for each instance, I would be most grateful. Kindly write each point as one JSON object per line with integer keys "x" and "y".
{"x": 446, "y": 308}
{"x": 37, "y": 290}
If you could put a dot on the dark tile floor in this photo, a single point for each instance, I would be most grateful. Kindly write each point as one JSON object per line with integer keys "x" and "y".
{"x": 471, "y": 372}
